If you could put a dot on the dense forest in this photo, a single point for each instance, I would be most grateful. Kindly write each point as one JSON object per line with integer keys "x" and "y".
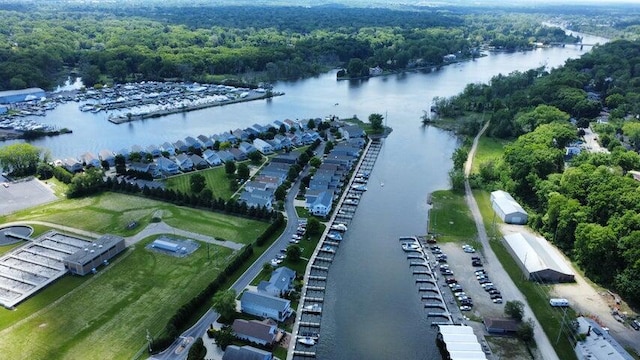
{"x": 588, "y": 205}
{"x": 106, "y": 44}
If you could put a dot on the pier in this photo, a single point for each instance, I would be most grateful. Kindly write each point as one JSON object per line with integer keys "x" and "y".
{"x": 323, "y": 255}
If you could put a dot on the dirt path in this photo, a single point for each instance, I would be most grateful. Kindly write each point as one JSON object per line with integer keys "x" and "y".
{"x": 508, "y": 287}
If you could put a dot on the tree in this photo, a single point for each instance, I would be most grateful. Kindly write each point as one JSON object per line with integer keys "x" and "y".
{"x": 293, "y": 253}
{"x": 315, "y": 162}
{"x": 632, "y": 130}
{"x": 356, "y": 68}
{"x": 376, "y": 122}
{"x": 224, "y": 302}
{"x": 255, "y": 157}
{"x": 223, "y": 337}
{"x": 230, "y": 167}
{"x": 514, "y": 309}
{"x": 198, "y": 183}
{"x": 525, "y": 331}
{"x": 280, "y": 193}
{"x": 197, "y": 350}
{"x": 44, "y": 171}
{"x": 20, "y": 159}
{"x": 313, "y": 226}
{"x": 243, "y": 171}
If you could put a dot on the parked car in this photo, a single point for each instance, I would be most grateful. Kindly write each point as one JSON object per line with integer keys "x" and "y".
{"x": 495, "y": 296}
{"x": 450, "y": 280}
{"x": 480, "y": 271}
{"x": 635, "y": 325}
{"x": 497, "y": 301}
{"x": 494, "y": 292}
{"x": 465, "y": 308}
{"x": 446, "y": 272}
{"x": 476, "y": 263}
{"x": 467, "y": 302}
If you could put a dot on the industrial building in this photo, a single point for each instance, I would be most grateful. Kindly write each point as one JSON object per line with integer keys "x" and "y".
{"x": 507, "y": 208}
{"x": 597, "y": 343}
{"x": 90, "y": 257}
{"x": 16, "y": 96}
{"x": 459, "y": 342}
{"x": 538, "y": 260}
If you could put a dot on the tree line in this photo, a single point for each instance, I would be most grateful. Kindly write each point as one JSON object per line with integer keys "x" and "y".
{"x": 106, "y": 44}
{"x": 588, "y": 205}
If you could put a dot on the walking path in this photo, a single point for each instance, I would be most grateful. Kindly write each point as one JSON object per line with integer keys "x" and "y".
{"x": 542, "y": 341}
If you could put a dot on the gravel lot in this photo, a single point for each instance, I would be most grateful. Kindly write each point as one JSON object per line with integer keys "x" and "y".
{"x": 24, "y": 194}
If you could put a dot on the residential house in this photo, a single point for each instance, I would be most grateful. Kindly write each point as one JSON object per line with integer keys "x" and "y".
{"x": 72, "y": 165}
{"x": 295, "y": 139}
{"x": 287, "y": 158}
{"x": 153, "y": 150}
{"x": 238, "y": 155}
{"x": 107, "y": 155}
{"x": 262, "y": 146}
{"x": 205, "y": 141}
{"x": 246, "y": 352}
{"x": 125, "y": 154}
{"x": 266, "y": 306}
{"x": 181, "y": 146}
{"x": 184, "y": 162}
{"x": 276, "y": 145}
{"x": 246, "y": 148}
{"x": 259, "y": 128}
{"x": 251, "y": 133}
{"x": 199, "y": 162}
{"x": 240, "y": 134}
{"x": 278, "y": 124}
{"x": 192, "y": 143}
{"x": 343, "y": 161}
{"x": 259, "y": 332}
{"x": 280, "y": 282}
{"x": 292, "y": 124}
{"x": 250, "y": 186}
{"x": 167, "y": 166}
{"x": 322, "y": 204}
{"x": 138, "y": 149}
{"x": 375, "y": 71}
{"x": 90, "y": 160}
{"x": 142, "y": 167}
{"x": 449, "y": 58}
{"x": 226, "y": 156}
{"x": 352, "y": 131}
{"x": 212, "y": 157}
{"x": 271, "y": 181}
{"x": 502, "y": 326}
{"x": 168, "y": 147}
{"x": 357, "y": 142}
{"x": 284, "y": 141}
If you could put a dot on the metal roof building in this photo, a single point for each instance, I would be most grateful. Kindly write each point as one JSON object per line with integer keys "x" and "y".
{"x": 99, "y": 252}
{"x": 598, "y": 344}
{"x": 16, "y": 96}
{"x": 460, "y": 342}
{"x": 538, "y": 259}
{"x": 507, "y": 208}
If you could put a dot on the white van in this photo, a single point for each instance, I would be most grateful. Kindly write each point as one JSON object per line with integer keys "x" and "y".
{"x": 559, "y": 302}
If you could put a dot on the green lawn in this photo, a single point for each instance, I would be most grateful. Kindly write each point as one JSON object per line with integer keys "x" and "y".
{"x": 536, "y": 294}
{"x": 111, "y": 212}
{"x": 488, "y": 149}
{"x": 216, "y": 179}
{"x": 450, "y": 217}
{"x": 107, "y": 315}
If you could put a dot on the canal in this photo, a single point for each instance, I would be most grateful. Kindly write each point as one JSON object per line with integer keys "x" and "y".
{"x": 372, "y": 309}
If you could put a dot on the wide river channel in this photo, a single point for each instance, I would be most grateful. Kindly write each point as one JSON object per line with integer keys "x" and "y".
{"x": 372, "y": 309}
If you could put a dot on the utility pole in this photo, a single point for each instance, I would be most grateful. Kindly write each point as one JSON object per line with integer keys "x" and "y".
{"x": 149, "y": 340}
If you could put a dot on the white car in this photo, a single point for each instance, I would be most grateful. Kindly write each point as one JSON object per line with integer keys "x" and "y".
{"x": 294, "y": 241}
{"x": 275, "y": 262}
{"x": 465, "y": 308}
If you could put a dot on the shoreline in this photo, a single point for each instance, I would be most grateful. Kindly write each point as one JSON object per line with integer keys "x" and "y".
{"x": 121, "y": 119}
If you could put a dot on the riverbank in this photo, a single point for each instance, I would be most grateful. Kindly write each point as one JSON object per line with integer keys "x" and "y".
{"x": 12, "y": 134}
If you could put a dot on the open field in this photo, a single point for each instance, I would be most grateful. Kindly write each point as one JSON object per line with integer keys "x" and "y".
{"x": 216, "y": 180}
{"x": 450, "y": 217}
{"x": 488, "y": 149}
{"x": 107, "y": 315}
{"x": 112, "y": 212}
{"x": 537, "y": 295}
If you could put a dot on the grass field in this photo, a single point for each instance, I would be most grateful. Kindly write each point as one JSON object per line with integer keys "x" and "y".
{"x": 216, "y": 180}
{"x": 450, "y": 217}
{"x": 488, "y": 149}
{"x": 105, "y": 316}
{"x": 111, "y": 212}
{"x": 537, "y": 295}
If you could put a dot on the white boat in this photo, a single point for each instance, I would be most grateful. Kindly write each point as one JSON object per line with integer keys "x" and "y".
{"x": 334, "y": 236}
{"x": 410, "y": 246}
{"x": 328, "y": 249}
{"x": 359, "y": 187}
{"x": 313, "y": 308}
{"x": 307, "y": 341}
{"x": 339, "y": 227}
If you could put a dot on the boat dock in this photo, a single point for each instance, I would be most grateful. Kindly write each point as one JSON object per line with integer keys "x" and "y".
{"x": 309, "y": 312}
{"x": 428, "y": 288}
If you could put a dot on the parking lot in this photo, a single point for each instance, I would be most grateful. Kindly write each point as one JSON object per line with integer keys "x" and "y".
{"x": 20, "y": 195}
{"x": 460, "y": 264}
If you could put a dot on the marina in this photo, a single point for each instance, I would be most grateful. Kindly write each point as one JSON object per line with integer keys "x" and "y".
{"x": 309, "y": 313}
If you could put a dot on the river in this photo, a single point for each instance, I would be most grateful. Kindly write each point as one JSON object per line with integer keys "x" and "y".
{"x": 372, "y": 309}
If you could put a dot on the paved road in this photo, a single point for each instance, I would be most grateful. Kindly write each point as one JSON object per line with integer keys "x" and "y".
{"x": 164, "y": 228}
{"x": 243, "y": 281}
{"x": 508, "y": 288}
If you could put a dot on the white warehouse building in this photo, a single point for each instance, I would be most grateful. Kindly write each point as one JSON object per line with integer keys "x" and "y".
{"x": 507, "y": 208}
{"x": 538, "y": 259}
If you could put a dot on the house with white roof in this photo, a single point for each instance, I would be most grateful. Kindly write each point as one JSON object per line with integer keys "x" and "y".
{"x": 322, "y": 204}
{"x": 262, "y": 146}
{"x": 280, "y": 282}
{"x": 507, "y": 208}
{"x": 538, "y": 260}
{"x": 212, "y": 157}
{"x": 265, "y": 306}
